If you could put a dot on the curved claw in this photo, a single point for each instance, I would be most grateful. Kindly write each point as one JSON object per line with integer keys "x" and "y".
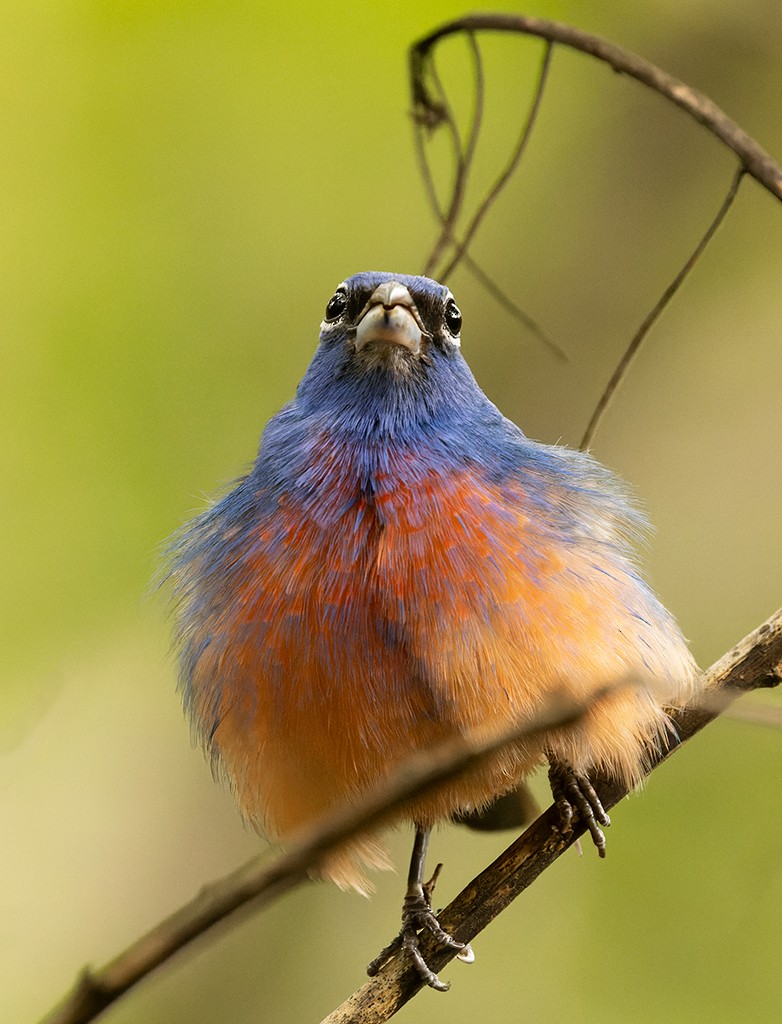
{"x": 574, "y": 792}
{"x": 410, "y": 943}
{"x": 418, "y": 916}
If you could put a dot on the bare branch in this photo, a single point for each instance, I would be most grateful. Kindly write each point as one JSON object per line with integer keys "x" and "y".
{"x": 261, "y": 881}
{"x": 754, "y": 159}
{"x": 463, "y": 155}
{"x": 439, "y": 112}
{"x": 754, "y": 663}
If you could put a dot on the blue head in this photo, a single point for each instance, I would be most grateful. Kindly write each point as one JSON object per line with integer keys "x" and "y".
{"x": 389, "y": 355}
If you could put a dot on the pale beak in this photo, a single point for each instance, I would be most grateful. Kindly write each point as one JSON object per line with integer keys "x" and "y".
{"x": 390, "y": 316}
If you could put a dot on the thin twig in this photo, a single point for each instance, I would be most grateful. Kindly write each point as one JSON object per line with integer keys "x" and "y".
{"x": 508, "y": 170}
{"x": 754, "y": 159}
{"x": 462, "y": 167}
{"x": 513, "y": 308}
{"x": 651, "y": 318}
{"x": 439, "y": 112}
{"x": 419, "y": 129}
{"x": 478, "y": 105}
{"x": 755, "y": 662}
{"x": 488, "y": 283}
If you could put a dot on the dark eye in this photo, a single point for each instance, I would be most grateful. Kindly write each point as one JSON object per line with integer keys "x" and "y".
{"x": 453, "y": 317}
{"x": 337, "y": 304}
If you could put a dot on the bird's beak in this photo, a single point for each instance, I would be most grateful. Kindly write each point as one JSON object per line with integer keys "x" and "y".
{"x": 390, "y": 316}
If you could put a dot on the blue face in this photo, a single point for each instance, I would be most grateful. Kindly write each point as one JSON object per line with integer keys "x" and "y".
{"x": 430, "y": 305}
{"x": 389, "y": 358}
{"x": 395, "y": 325}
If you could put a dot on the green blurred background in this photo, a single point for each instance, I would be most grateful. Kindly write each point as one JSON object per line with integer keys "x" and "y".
{"x": 183, "y": 184}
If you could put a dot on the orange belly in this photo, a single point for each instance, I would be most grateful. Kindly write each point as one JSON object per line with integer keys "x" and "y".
{"x": 425, "y": 609}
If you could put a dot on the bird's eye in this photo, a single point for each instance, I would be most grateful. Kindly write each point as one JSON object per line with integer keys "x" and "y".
{"x": 337, "y": 304}
{"x": 453, "y": 318}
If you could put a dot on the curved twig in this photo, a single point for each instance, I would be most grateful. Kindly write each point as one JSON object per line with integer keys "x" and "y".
{"x": 651, "y": 318}
{"x": 512, "y": 307}
{"x": 463, "y": 155}
{"x": 436, "y": 112}
{"x": 754, "y": 159}
{"x": 506, "y": 173}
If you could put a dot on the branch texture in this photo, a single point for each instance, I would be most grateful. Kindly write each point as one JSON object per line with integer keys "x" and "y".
{"x": 754, "y": 663}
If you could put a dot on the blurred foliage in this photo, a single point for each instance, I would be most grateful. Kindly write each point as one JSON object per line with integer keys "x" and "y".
{"x": 181, "y": 186}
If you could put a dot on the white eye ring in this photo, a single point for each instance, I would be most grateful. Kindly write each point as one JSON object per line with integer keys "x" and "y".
{"x": 452, "y": 316}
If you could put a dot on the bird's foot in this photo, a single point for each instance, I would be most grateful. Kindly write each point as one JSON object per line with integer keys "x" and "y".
{"x": 574, "y": 792}
{"x": 418, "y": 917}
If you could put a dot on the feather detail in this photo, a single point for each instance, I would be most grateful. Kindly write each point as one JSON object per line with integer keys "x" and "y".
{"x": 402, "y": 566}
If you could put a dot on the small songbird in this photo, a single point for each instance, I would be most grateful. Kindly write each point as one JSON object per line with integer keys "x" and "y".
{"x": 401, "y": 566}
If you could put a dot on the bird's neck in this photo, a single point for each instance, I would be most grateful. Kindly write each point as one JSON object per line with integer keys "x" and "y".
{"x": 379, "y": 407}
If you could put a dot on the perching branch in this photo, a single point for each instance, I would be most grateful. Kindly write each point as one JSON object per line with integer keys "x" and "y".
{"x": 260, "y": 882}
{"x": 752, "y": 664}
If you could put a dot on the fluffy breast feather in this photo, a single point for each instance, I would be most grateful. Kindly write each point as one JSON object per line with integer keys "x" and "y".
{"x": 337, "y": 614}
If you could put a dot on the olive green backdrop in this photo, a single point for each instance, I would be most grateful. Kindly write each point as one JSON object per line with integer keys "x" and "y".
{"x": 182, "y": 185}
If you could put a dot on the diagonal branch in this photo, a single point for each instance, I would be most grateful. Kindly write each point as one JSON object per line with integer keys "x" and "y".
{"x": 261, "y": 881}
{"x": 753, "y": 664}
{"x": 511, "y": 307}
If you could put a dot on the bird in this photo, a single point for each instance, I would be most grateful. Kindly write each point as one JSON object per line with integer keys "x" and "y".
{"x": 402, "y": 566}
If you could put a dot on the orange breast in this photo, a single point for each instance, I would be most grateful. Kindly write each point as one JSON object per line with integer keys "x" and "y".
{"x": 418, "y": 605}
